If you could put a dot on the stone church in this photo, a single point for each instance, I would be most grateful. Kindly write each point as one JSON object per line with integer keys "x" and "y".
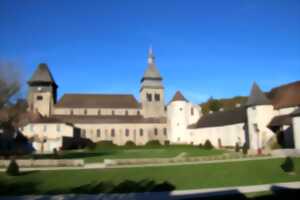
{"x": 121, "y": 118}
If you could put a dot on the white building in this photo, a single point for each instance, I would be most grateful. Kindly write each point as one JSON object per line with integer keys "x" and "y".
{"x": 121, "y": 118}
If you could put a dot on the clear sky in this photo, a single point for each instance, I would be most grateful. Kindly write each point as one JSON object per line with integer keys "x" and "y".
{"x": 203, "y": 48}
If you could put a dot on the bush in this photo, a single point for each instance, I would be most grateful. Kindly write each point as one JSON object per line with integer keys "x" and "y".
{"x": 153, "y": 143}
{"x": 237, "y": 147}
{"x": 288, "y": 165}
{"x": 13, "y": 168}
{"x": 208, "y": 145}
{"x": 245, "y": 149}
{"x": 201, "y": 146}
{"x": 130, "y": 144}
{"x": 101, "y": 144}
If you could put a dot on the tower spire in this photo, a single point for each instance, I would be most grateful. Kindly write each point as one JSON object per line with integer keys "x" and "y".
{"x": 151, "y": 57}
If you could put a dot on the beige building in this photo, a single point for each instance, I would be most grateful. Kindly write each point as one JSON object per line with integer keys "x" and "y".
{"x": 121, "y": 118}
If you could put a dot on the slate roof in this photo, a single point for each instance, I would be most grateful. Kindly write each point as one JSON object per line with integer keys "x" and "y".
{"x": 179, "y": 97}
{"x": 287, "y": 95}
{"x": 42, "y": 75}
{"x": 110, "y": 119}
{"x": 257, "y": 97}
{"x": 280, "y": 121}
{"x": 97, "y": 101}
{"x": 221, "y": 118}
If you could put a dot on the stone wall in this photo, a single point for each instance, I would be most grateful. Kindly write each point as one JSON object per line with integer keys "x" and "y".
{"x": 45, "y": 163}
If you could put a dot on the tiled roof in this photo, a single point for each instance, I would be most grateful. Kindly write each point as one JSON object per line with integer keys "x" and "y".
{"x": 280, "y": 121}
{"x": 287, "y": 95}
{"x": 110, "y": 119}
{"x": 97, "y": 101}
{"x": 178, "y": 97}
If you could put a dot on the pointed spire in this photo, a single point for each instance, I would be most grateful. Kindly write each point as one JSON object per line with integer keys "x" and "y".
{"x": 151, "y": 58}
{"x": 257, "y": 97}
{"x": 178, "y": 97}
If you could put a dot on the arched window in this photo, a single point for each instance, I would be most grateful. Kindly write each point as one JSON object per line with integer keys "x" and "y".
{"x": 85, "y": 111}
{"x": 71, "y": 112}
{"x": 112, "y": 112}
{"x": 99, "y": 112}
{"x": 126, "y": 112}
{"x": 155, "y": 131}
{"x": 138, "y": 112}
{"x": 192, "y": 111}
{"x": 112, "y": 132}
{"x": 141, "y": 132}
{"x": 126, "y": 132}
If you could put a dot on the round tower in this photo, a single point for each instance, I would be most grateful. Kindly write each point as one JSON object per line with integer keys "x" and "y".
{"x": 178, "y": 118}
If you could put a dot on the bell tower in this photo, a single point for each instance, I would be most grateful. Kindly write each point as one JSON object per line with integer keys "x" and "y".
{"x": 152, "y": 90}
{"x": 42, "y": 91}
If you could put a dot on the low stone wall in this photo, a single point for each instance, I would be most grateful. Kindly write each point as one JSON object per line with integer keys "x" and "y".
{"x": 45, "y": 163}
{"x": 115, "y": 162}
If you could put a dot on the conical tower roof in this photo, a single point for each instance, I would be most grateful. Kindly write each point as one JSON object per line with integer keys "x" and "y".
{"x": 42, "y": 75}
{"x": 257, "y": 97}
{"x": 178, "y": 97}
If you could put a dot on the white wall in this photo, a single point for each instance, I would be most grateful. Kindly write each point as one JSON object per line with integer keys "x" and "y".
{"x": 228, "y": 135}
{"x": 296, "y": 131}
{"x": 258, "y": 119}
{"x": 180, "y": 115}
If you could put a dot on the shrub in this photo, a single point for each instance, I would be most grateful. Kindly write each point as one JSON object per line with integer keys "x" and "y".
{"x": 101, "y": 144}
{"x": 288, "y": 165}
{"x": 201, "y": 146}
{"x": 208, "y": 145}
{"x": 153, "y": 143}
{"x": 13, "y": 168}
{"x": 130, "y": 144}
{"x": 237, "y": 147}
{"x": 245, "y": 149}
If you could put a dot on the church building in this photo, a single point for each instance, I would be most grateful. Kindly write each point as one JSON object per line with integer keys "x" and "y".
{"x": 121, "y": 118}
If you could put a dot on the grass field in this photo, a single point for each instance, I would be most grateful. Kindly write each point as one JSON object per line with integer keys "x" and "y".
{"x": 98, "y": 155}
{"x": 149, "y": 178}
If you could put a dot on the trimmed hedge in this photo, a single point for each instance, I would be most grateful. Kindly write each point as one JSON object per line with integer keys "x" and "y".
{"x": 130, "y": 144}
{"x": 153, "y": 143}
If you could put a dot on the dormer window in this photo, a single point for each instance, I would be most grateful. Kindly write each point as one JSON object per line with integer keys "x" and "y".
{"x": 149, "y": 97}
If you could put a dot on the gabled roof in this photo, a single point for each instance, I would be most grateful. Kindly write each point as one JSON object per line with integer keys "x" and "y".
{"x": 257, "y": 97}
{"x": 178, "y": 97}
{"x": 97, "y": 101}
{"x": 42, "y": 74}
{"x": 221, "y": 118}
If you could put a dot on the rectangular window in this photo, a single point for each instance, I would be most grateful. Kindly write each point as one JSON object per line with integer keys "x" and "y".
{"x": 71, "y": 112}
{"x": 85, "y": 111}
{"x": 99, "y": 112}
{"x": 112, "y": 112}
{"x": 192, "y": 111}
{"x": 157, "y": 97}
{"x": 39, "y": 98}
{"x": 127, "y": 132}
{"x": 165, "y": 131}
{"x": 98, "y": 133}
{"x": 141, "y": 132}
{"x": 58, "y": 127}
{"x": 155, "y": 131}
{"x": 149, "y": 97}
{"x": 112, "y": 132}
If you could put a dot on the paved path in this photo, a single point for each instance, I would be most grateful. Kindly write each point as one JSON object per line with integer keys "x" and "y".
{"x": 103, "y": 166}
{"x": 174, "y": 195}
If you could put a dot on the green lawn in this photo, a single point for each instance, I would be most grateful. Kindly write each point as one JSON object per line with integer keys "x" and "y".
{"x": 149, "y": 178}
{"x": 100, "y": 154}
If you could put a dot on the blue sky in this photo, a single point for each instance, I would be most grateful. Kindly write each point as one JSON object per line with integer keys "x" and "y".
{"x": 203, "y": 48}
